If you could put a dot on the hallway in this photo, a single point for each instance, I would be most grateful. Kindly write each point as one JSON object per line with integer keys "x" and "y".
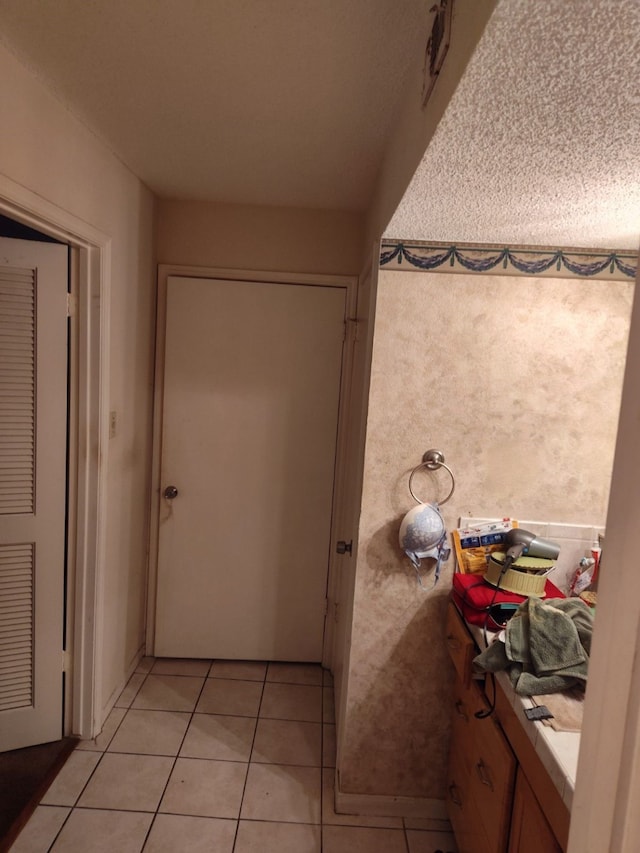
{"x": 224, "y": 756}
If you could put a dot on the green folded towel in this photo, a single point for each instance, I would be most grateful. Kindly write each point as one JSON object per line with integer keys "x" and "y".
{"x": 546, "y": 648}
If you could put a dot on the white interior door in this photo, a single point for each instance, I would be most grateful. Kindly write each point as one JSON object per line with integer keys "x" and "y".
{"x": 33, "y": 423}
{"x": 250, "y": 412}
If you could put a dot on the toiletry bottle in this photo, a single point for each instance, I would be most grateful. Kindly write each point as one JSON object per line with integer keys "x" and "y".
{"x": 596, "y": 553}
{"x": 583, "y": 576}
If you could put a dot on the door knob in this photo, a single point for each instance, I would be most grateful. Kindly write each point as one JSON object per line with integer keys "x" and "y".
{"x": 170, "y": 493}
{"x": 343, "y": 547}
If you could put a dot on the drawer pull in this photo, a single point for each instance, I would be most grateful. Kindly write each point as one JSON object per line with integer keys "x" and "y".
{"x": 460, "y": 712}
{"x": 483, "y": 773}
{"x": 454, "y": 793}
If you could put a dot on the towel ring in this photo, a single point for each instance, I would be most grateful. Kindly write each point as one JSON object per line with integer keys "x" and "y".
{"x": 432, "y": 459}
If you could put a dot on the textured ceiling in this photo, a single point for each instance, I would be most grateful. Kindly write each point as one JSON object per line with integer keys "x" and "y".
{"x": 276, "y": 102}
{"x": 540, "y": 144}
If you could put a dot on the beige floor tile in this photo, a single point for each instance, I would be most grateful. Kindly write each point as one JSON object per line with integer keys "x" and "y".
{"x": 151, "y": 732}
{"x": 145, "y": 664}
{"x": 359, "y": 839}
{"x": 127, "y": 696}
{"x": 256, "y": 836}
{"x": 231, "y": 697}
{"x": 68, "y": 784}
{"x": 282, "y": 793}
{"x": 328, "y": 745}
{"x": 246, "y": 670}
{"x": 205, "y": 788}
{"x": 219, "y": 737}
{"x": 330, "y": 817}
{"x": 295, "y": 673}
{"x": 131, "y": 782}
{"x": 180, "y": 666}
{"x": 98, "y": 831}
{"x": 41, "y": 829}
{"x": 328, "y": 705}
{"x": 428, "y": 842}
{"x": 292, "y": 702}
{"x": 288, "y": 742}
{"x": 172, "y": 833}
{"x": 168, "y": 693}
{"x": 102, "y": 741}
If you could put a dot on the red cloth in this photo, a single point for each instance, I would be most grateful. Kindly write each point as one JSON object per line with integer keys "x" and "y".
{"x": 474, "y": 596}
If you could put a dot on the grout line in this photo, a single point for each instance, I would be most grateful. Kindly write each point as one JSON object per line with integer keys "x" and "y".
{"x": 154, "y": 812}
{"x": 253, "y": 740}
{"x": 175, "y": 758}
{"x": 102, "y": 753}
{"x": 322, "y": 770}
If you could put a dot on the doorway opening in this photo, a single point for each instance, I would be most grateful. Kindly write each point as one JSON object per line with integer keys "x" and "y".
{"x": 89, "y": 254}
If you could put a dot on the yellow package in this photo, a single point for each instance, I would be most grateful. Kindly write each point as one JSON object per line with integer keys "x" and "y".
{"x": 474, "y": 545}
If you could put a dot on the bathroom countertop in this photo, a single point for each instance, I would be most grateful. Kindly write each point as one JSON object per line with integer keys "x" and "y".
{"x": 558, "y": 751}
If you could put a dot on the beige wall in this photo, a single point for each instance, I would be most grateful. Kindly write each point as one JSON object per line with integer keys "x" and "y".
{"x": 413, "y": 128}
{"x": 270, "y": 239}
{"x": 47, "y": 151}
{"x": 518, "y": 382}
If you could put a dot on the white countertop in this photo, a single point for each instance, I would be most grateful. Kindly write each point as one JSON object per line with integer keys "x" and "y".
{"x": 558, "y": 751}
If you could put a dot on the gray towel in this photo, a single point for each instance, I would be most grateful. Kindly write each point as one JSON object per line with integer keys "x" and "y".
{"x": 547, "y": 646}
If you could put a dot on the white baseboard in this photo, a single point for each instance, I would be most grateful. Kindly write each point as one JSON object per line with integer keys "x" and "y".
{"x": 388, "y": 806}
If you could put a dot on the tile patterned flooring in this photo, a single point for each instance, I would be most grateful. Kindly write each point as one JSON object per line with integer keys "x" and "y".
{"x": 223, "y": 757}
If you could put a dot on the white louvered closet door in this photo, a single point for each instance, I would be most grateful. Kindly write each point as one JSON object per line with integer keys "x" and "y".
{"x": 33, "y": 425}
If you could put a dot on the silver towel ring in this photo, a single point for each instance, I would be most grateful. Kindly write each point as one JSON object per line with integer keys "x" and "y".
{"x": 432, "y": 459}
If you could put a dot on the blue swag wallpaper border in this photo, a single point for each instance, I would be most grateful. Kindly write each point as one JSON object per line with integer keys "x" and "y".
{"x": 509, "y": 260}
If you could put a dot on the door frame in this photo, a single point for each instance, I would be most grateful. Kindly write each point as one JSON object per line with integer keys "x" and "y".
{"x": 90, "y": 266}
{"x": 350, "y": 284}
{"x": 357, "y": 405}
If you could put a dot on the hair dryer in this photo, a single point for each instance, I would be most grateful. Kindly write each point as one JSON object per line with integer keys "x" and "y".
{"x": 523, "y": 542}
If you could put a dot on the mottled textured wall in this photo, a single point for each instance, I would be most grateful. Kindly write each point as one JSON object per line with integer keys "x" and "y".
{"x": 517, "y": 380}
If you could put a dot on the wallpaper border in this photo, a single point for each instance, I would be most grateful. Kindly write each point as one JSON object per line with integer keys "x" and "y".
{"x": 509, "y": 260}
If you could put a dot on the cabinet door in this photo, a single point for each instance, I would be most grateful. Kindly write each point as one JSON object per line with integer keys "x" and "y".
{"x": 466, "y": 702}
{"x": 461, "y": 808}
{"x": 530, "y": 832}
{"x": 492, "y": 780}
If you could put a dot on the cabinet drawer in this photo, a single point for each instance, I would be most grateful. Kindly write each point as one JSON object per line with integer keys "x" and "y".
{"x": 481, "y": 775}
{"x": 492, "y": 780}
{"x": 459, "y": 644}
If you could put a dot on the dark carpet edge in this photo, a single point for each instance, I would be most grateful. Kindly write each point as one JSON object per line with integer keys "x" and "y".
{"x": 29, "y": 807}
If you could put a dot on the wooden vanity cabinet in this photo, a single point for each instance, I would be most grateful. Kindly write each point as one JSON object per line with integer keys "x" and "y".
{"x": 481, "y": 776}
{"x": 460, "y": 644}
{"x": 492, "y": 805}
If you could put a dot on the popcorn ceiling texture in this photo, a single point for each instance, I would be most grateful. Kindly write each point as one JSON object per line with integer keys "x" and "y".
{"x": 540, "y": 143}
{"x": 518, "y": 381}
